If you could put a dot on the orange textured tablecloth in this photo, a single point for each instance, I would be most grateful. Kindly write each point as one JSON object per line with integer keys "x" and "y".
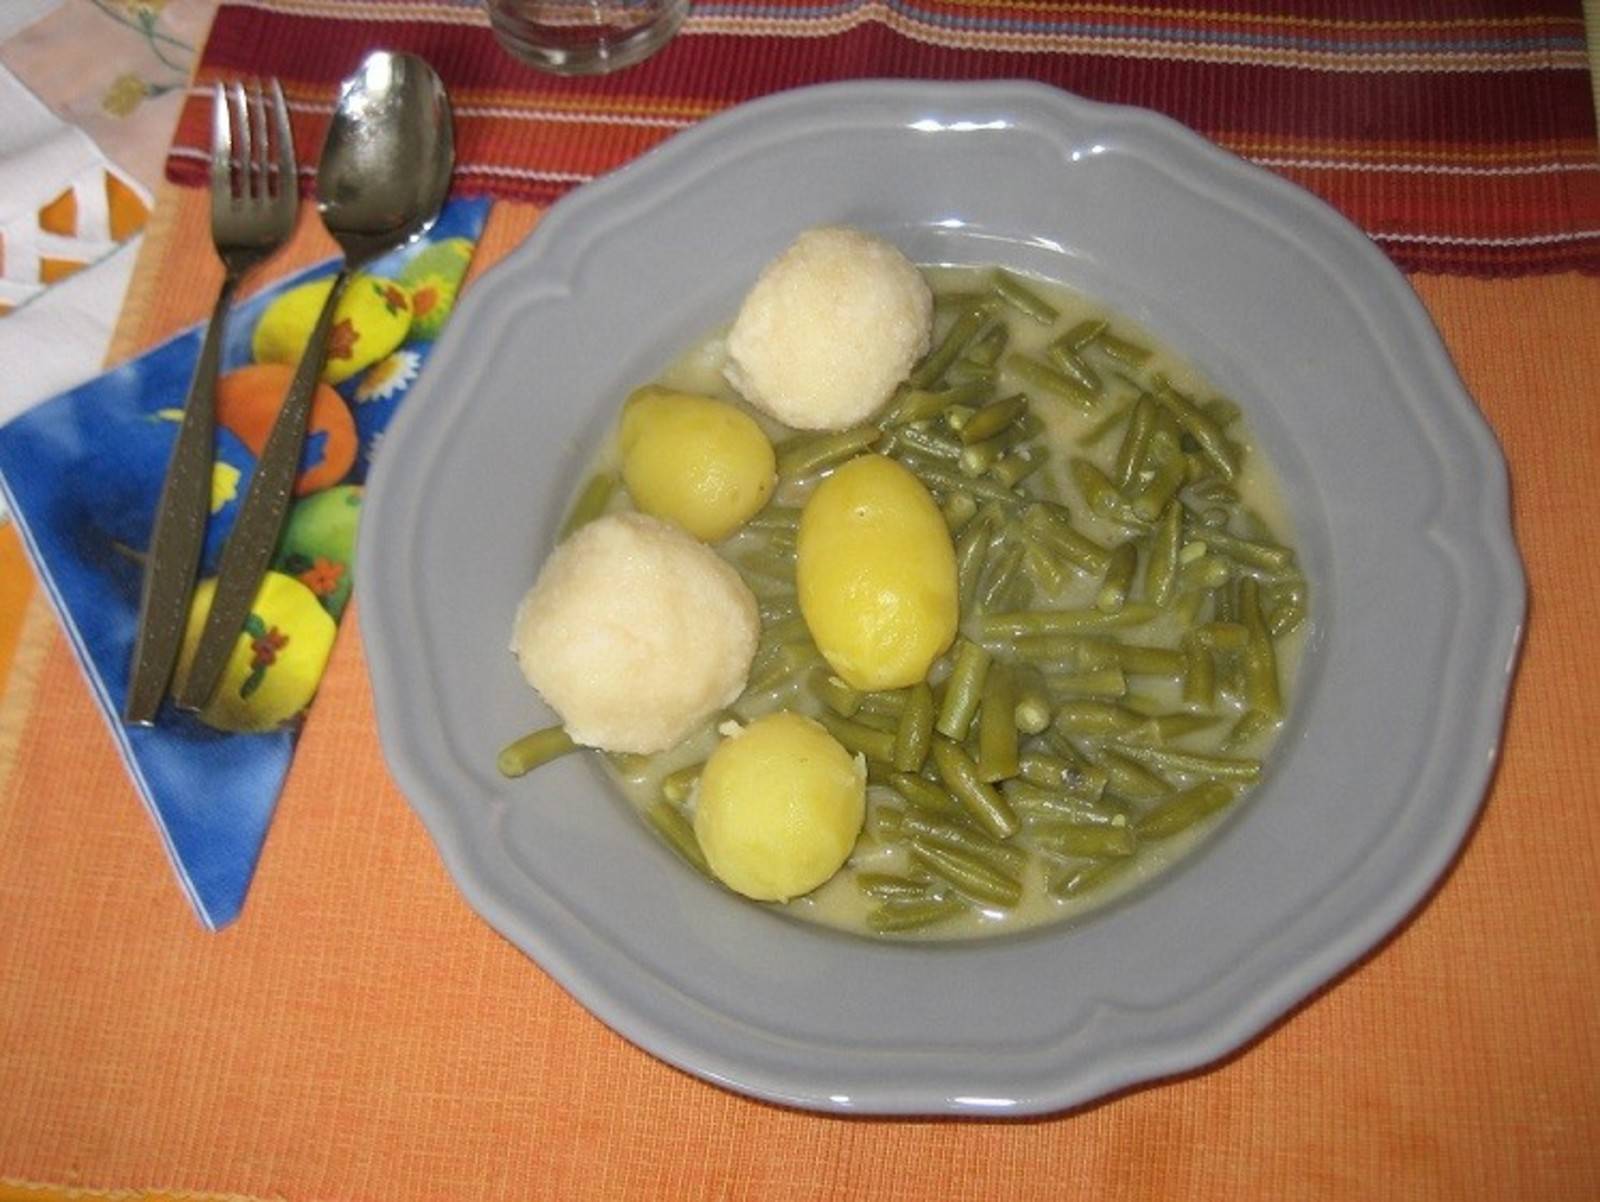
{"x": 359, "y": 1033}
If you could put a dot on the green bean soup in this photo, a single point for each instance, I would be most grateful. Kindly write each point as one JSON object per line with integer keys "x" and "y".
{"x": 1131, "y": 619}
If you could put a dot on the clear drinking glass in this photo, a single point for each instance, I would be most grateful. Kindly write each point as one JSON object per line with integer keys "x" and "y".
{"x": 584, "y": 37}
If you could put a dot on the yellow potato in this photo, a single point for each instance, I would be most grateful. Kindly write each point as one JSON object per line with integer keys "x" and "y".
{"x": 698, "y": 462}
{"x": 779, "y": 808}
{"x": 876, "y": 574}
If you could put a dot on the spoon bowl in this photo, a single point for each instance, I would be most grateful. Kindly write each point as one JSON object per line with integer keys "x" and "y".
{"x": 387, "y": 159}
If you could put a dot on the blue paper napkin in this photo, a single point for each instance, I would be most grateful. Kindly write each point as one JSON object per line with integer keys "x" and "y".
{"x": 82, "y": 473}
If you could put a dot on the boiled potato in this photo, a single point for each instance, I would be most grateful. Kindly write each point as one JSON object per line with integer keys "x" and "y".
{"x": 876, "y": 574}
{"x": 779, "y": 808}
{"x": 695, "y": 461}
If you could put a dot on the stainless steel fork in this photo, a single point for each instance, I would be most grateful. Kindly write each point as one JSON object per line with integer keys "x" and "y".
{"x": 254, "y": 198}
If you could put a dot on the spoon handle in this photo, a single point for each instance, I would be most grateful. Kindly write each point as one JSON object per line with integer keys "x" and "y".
{"x": 255, "y": 532}
{"x": 179, "y": 532}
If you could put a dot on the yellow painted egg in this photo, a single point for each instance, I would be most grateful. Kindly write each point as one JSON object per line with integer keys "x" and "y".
{"x": 876, "y": 574}
{"x": 372, "y": 319}
{"x": 780, "y": 805}
{"x": 701, "y": 463}
{"x": 277, "y": 660}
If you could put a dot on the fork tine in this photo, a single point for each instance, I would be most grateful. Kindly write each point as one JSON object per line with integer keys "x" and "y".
{"x": 221, "y": 143}
{"x": 288, "y": 176}
{"x": 263, "y": 155}
{"x": 241, "y": 119}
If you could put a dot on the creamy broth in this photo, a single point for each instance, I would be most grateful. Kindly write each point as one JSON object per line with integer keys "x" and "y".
{"x": 840, "y": 902}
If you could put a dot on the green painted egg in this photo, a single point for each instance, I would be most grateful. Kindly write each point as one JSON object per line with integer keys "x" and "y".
{"x": 319, "y": 544}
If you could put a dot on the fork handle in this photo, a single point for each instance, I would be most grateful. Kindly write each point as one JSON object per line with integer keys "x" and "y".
{"x": 173, "y": 559}
{"x": 255, "y": 531}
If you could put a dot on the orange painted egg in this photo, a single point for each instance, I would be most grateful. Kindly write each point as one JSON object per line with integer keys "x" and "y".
{"x": 248, "y": 400}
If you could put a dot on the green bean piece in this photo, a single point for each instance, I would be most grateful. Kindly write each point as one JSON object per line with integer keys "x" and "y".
{"x": 1098, "y": 718}
{"x": 1261, "y": 689}
{"x": 1082, "y": 334}
{"x": 1224, "y": 605}
{"x": 1198, "y": 426}
{"x": 928, "y": 442}
{"x": 1286, "y": 618}
{"x": 1183, "y": 810}
{"x": 1074, "y": 839}
{"x": 591, "y": 502}
{"x": 1097, "y": 433}
{"x": 1165, "y": 472}
{"x": 983, "y": 302}
{"x": 1043, "y": 566}
{"x": 957, "y": 416}
{"x": 1192, "y": 763}
{"x": 997, "y": 726}
{"x": 1251, "y": 725}
{"x": 532, "y": 750}
{"x": 1071, "y": 364}
{"x": 783, "y": 665}
{"x": 884, "y": 822}
{"x": 979, "y": 881}
{"x": 1135, "y": 442}
{"x": 972, "y": 549}
{"x": 1118, "y": 580}
{"x": 993, "y": 418}
{"x": 984, "y": 350}
{"x": 1223, "y": 636}
{"x": 1022, "y": 298}
{"x": 675, "y": 829}
{"x": 914, "y": 734}
{"x": 959, "y": 835}
{"x": 627, "y": 764}
{"x": 883, "y": 885}
{"x": 1136, "y": 659}
{"x": 1101, "y": 682}
{"x": 1042, "y": 769}
{"x": 803, "y": 457}
{"x": 964, "y": 690}
{"x": 982, "y": 802}
{"x": 1086, "y": 878}
{"x": 775, "y": 517}
{"x": 889, "y": 702}
{"x": 835, "y": 694}
{"x": 961, "y": 332}
{"x": 874, "y": 744}
{"x": 1199, "y": 674}
{"x": 1041, "y": 377}
{"x": 1016, "y": 466}
{"x": 1120, "y": 349}
{"x": 1052, "y": 525}
{"x": 1161, "y": 568}
{"x": 792, "y": 629}
{"x": 959, "y": 508}
{"x": 876, "y": 721}
{"x": 677, "y": 785}
{"x": 964, "y": 371}
{"x": 980, "y": 456}
{"x": 944, "y": 477}
{"x": 999, "y": 573}
{"x": 1189, "y": 604}
{"x": 922, "y": 793}
{"x": 1043, "y": 804}
{"x": 1129, "y": 778}
{"x": 1266, "y": 556}
{"x": 913, "y": 914}
{"x": 1062, "y": 621}
{"x": 1101, "y": 495}
{"x": 1032, "y": 711}
{"x": 1167, "y": 727}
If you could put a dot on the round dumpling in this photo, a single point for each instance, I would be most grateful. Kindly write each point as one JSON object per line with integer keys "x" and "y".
{"x": 830, "y": 330}
{"x": 635, "y": 633}
{"x": 779, "y": 807}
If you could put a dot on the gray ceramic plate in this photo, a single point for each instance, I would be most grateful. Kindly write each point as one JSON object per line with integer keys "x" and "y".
{"x": 1398, "y": 494}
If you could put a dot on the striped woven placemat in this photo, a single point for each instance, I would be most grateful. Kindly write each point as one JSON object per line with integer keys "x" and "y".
{"x": 1460, "y": 134}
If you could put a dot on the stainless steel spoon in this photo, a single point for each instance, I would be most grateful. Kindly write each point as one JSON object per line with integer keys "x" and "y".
{"x": 382, "y": 179}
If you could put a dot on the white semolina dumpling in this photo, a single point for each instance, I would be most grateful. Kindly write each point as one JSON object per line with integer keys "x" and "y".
{"x": 635, "y": 633}
{"x": 830, "y": 330}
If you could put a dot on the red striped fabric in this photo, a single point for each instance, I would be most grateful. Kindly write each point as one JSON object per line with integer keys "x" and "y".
{"x": 1460, "y": 135}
